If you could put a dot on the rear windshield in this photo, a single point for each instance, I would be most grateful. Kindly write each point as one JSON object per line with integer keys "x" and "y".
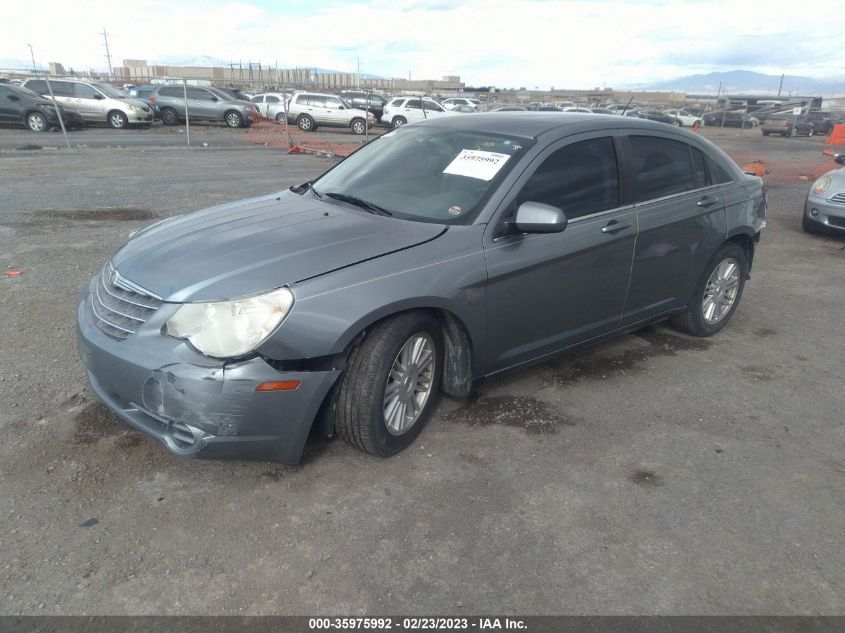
{"x": 426, "y": 174}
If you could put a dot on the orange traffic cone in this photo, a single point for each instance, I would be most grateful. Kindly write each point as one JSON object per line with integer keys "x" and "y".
{"x": 837, "y": 136}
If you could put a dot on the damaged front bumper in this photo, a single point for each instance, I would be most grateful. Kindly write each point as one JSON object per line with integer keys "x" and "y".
{"x": 196, "y": 405}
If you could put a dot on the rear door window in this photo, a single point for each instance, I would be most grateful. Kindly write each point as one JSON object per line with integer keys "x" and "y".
{"x": 63, "y": 88}
{"x": 414, "y": 104}
{"x": 663, "y": 167}
{"x": 172, "y": 91}
{"x": 84, "y": 91}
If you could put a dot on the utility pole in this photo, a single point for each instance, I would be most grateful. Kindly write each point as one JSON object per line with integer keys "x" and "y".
{"x": 32, "y": 54}
{"x": 108, "y": 54}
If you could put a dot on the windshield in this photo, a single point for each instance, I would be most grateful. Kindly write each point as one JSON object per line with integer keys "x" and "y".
{"x": 110, "y": 91}
{"x": 426, "y": 174}
{"x": 346, "y": 104}
{"x": 223, "y": 95}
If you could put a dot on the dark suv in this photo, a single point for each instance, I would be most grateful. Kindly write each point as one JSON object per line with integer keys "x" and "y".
{"x": 365, "y": 100}
{"x": 22, "y": 107}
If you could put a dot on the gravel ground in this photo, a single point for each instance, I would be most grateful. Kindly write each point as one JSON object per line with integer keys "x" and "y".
{"x": 655, "y": 474}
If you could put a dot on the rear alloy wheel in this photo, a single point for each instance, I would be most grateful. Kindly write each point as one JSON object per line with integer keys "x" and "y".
{"x": 717, "y": 293}
{"x": 399, "y": 122}
{"x": 118, "y": 120}
{"x": 280, "y": 118}
{"x": 358, "y": 126}
{"x": 169, "y": 116}
{"x": 305, "y": 123}
{"x": 390, "y": 385}
{"x": 234, "y": 119}
{"x": 36, "y": 122}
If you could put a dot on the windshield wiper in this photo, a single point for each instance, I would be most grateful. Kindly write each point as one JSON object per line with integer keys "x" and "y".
{"x": 358, "y": 202}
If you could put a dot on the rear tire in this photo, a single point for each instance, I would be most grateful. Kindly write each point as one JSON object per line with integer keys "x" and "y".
{"x": 280, "y": 118}
{"x": 36, "y": 122}
{"x": 398, "y": 122}
{"x": 709, "y": 285}
{"x": 765, "y": 133}
{"x": 373, "y": 384}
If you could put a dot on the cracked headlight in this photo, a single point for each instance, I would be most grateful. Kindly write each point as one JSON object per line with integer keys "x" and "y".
{"x": 225, "y": 329}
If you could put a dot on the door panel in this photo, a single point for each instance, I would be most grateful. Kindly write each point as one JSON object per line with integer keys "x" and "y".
{"x": 547, "y": 292}
{"x": 681, "y": 220}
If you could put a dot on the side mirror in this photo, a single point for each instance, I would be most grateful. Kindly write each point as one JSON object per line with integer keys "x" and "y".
{"x": 14, "y": 97}
{"x": 98, "y": 96}
{"x": 215, "y": 99}
{"x": 536, "y": 217}
{"x": 839, "y": 158}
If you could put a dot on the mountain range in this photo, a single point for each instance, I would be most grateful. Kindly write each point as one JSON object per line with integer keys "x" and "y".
{"x": 738, "y": 81}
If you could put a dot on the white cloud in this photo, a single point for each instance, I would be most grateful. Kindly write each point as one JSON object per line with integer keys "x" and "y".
{"x": 506, "y": 43}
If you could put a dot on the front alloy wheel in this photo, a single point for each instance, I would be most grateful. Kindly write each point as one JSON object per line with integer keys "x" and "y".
{"x": 36, "y": 122}
{"x": 117, "y": 120}
{"x": 233, "y": 119}
{"x": 390, "y": 384}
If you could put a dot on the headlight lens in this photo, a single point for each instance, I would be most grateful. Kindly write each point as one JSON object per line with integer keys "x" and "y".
{"x": 225, "y": 329}
{"x": 821, "y": 185}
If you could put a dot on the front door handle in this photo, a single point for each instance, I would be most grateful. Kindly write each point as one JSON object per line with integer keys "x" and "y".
{"x": 614, "y": 226}
{"x": 707, "y": 201}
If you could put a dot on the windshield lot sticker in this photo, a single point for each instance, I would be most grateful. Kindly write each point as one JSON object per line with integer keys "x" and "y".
{"x": 455, "y": 210}
{"x": 476, "y": 164}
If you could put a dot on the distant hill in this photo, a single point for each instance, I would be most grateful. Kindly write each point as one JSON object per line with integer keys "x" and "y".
{"x": 737, "y": 81}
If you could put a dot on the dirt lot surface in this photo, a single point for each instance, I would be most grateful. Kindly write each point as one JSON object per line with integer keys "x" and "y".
{"x": 656, "y": 474}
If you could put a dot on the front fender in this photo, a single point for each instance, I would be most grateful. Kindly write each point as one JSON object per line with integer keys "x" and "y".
{"x": 330, "y": 311}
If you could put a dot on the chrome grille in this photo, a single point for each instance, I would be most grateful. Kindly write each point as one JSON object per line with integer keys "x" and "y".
{"x": 839, "y": 198}
{"x": 119, "y": 306}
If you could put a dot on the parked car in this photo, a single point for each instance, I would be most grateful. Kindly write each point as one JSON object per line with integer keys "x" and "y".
{"x": 601, "y": 111}
{"x": 365, "y": 101}
{"x": 731, "y": 118}
{"x": 653, "y": 115}
{"x": 618, "y": 108}
{"x": 402, "y": 110}
{"x": 271, "y": 105}
{"x": 452, "y": 103}
{"x": 143, "y": 93}
{"x": 202, "y": 104}
{"x": 464, "y": 109}
{"x": 824, "y": 207}
{"x": 787, "y": 126}
{"x": 578, "y": 109}
{"x": 684, "y": 118}
{"x": 447, "y": 252}
{"x": 21, "y": 107}
{"x": 310, "y": 110}
{"x": 822, "y": 120}
{"x": 95, "y": 102}
{"x": 235, "y": 94}
{"x": 510, "y": 108}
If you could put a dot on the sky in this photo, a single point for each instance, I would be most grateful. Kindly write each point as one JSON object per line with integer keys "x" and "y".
{"x": 530, "y": 43}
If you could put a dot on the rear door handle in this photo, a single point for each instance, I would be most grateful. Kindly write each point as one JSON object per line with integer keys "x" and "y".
{"x": 707, "y": 201}
{"x": 614, "y": 227}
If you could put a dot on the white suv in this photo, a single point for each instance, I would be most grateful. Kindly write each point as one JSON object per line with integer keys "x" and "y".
{"x": 309, "y": 110}
{"x": 454, "y": 102}
{"x": 404, "y": 110}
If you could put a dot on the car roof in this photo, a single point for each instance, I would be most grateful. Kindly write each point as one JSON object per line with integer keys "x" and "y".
{"x": 532, "y": 125}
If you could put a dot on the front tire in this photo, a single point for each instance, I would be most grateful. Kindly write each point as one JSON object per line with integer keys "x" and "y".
{"x": 280, "y": 118}
{"x": 306, "y": 123}
{"x": 390, "y": 385}
{"x": 358, "y": 126}
{"x": 717, "y": 292}
{"x": 398, "y": 122}
{"x": 234, "y": 119}
{"x": 118, "y": 120}
{"x": 169, "y": 116}
{"x": 36, "y": 122}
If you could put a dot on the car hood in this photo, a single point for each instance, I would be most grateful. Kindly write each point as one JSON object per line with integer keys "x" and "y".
{"x": 259, "y": 244}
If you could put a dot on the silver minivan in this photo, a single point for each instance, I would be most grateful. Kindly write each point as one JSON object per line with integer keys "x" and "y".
{"x": 95, "y": 102}
{"x": 309, "y": 110}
